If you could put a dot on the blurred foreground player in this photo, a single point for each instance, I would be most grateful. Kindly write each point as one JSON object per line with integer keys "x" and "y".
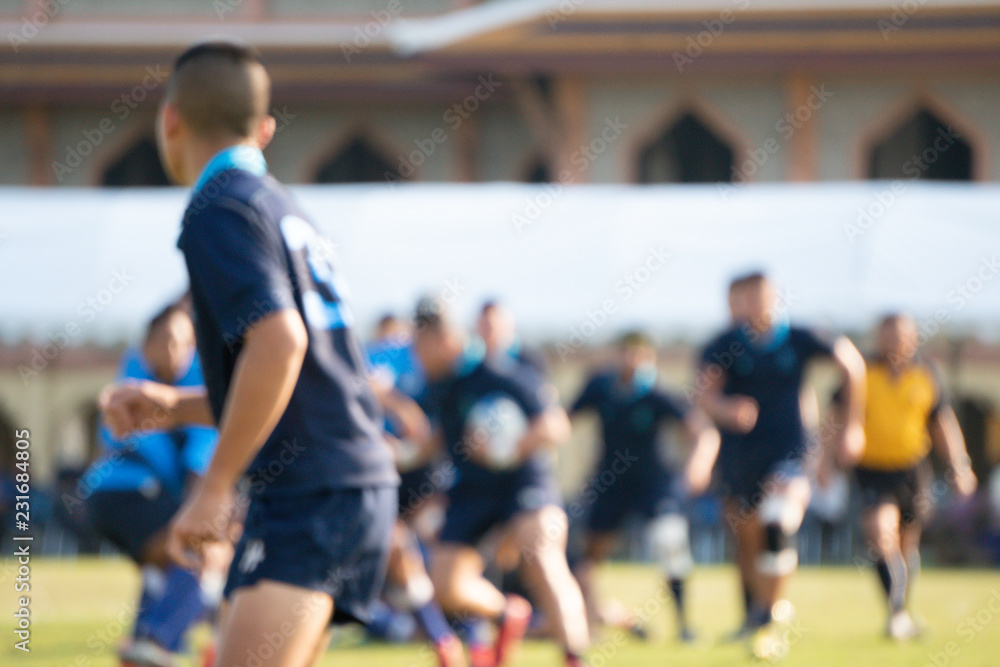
{"x": 632, "y": 409}
{"x": 905, "y": 414}
{"x": 141, "y": 482}
{"x": 285, "y": 380}
{"x": 749, "y": 383}
{"x": 399, "y": 384}
{"x": 499, "y": 424}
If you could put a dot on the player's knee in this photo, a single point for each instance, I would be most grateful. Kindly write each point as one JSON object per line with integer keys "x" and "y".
{"x": 671, "y": 545}
{"x": 780, "y": 519}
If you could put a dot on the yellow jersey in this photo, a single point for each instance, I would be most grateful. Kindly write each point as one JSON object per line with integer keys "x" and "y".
{"x": 896, "y": 416}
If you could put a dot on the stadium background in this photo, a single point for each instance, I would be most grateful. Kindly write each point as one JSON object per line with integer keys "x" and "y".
{"x": 405, "y": 95}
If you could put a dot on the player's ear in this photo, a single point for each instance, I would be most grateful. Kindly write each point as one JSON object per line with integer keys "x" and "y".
{"x": 169, "y": 120}
{"x": 265, "y": 131}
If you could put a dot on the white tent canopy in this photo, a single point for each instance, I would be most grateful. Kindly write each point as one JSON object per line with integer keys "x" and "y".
{"x": 573, "y": 262}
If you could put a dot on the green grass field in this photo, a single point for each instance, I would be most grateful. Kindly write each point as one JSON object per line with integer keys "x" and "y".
{"x": 81, "y": 609}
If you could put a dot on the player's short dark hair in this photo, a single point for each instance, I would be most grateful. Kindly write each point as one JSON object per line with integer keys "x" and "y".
{"x": 430, "y": 314}
{"x": 751, "y": 279}
{"x": 220, "y": 88}
{"x": 635, "y": 338}
{"x": 163, "y": 316}
{"x": 489, "y": 305}
{"x": 893, "y": 318}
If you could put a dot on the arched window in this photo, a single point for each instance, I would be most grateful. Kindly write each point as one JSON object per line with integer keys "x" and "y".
{"x": 139, "y": 166}
{"x": 923, "y": 146}
{"x": 686, "y": 152}
{"x": 357, "y": 162}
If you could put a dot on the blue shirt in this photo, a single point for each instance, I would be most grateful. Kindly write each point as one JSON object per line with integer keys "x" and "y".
{"x": 251, "y": 252}
{"x": 771, "y": 372}
{"x": 631, "y": 416}
{"x": 153, "y": 459}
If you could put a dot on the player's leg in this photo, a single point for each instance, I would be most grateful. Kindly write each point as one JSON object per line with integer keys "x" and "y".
{"x": 457, "y": 577}
{"x": 597, "y": 548}
{"x": 669, "y": 538}
{"x": 540, "y": 536}
{"x": 780, "y": 515}
{"x": 414, "y": 591}
{"x": 274, "y": 624}
{"x": 743, "y": 521}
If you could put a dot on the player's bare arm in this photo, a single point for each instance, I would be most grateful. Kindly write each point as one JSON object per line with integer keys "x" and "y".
{"x": 265, "y": 375}
{"x": 129, "y": 407}
{"x": 550, "y": 428}
{"x": 734, "y": 413}
{"x": 705, "y": 441}
{"x": 948, "y": 441}
{"x": 850, "y": 442}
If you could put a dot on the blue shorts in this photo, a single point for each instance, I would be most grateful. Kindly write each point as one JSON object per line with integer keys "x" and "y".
{"x": 129, "y": 519}
{"x": 647, "y": 496}
{"x": 475, "y": 507}
{"x": 747, "y": 481}
{"x": 330, "y": 540}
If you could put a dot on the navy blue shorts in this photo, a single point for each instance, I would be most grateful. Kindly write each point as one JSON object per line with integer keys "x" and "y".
{"x": 420, "y": 485}
{"x": 647, "y": 496}
{"x": 330, "y": 540}
{"x": 474, "y": 508}
{"x": 747, "y": 481}
{"x": 129, "y": 519}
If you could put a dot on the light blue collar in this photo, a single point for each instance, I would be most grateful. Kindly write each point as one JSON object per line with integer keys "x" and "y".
{"x": 242, "y": 157}
{"x": 470, "y": 359}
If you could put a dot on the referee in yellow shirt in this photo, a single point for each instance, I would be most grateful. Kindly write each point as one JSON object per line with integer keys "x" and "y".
{"x": 906, "y": 414}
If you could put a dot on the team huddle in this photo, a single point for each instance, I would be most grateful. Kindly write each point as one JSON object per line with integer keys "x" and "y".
{"x": 267, "y": 470}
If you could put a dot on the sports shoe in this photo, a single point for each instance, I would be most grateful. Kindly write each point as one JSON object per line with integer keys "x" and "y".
{"x": 902, "y": 627}
{"x": 516, "y": 618}
{"x": 146, "y": 653}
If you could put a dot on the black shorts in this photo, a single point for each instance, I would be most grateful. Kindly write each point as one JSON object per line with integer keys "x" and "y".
{"x": 129, "y": 519}
{"x": 648, "y": 498}
{"x": 908, "y": 489}
{"x": 747, "y": 482}
{"x": 473, "y": 509}
{"x": 331, "y": 540}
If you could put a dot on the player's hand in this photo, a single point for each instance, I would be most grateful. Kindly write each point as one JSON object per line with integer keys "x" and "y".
{"x": 965, "y": 481}
{"x": 850, "y": 445}
{"x": 202, "y": 521}
{"x": 128, "y": 407}
{"x": 741, "y": 414}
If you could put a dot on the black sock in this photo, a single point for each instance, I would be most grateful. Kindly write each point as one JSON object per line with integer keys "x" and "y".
{"x": 884, "y": 576}
{"x": 677, "y": 588}
{"x": 747, "y": 599}
{"x": 894, "y": 581}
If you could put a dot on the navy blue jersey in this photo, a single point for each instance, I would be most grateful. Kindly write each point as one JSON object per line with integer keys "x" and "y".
{"x": 251, "y": 252}
{"x": 630, "y": 417}
{"x": 771, "y": 373}
{"x": 453, "y": 398}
